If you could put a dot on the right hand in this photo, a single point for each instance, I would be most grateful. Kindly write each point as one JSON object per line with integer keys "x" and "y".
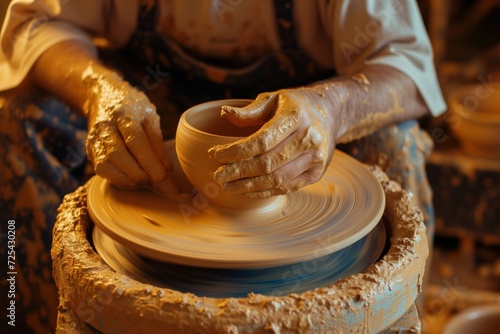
{"x": 292, "y": 149}
{"x": 124, "y": 140}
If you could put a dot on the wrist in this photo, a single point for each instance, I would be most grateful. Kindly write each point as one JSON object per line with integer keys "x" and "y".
{"x": 332, "y": 97}
{"x": 100, "y": 83}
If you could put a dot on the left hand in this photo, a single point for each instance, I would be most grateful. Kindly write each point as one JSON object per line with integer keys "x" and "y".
{"x": 291, "y": 150}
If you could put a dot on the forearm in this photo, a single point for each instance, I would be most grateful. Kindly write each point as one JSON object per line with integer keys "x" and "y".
{"x": 301, "y": 127}
{"x": 124, "y": 140}
{"x": 68, "y": 70}
{"x": 369, "y": 100}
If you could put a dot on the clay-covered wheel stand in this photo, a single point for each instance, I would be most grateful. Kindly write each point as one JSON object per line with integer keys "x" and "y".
{"x": 93, "y": 297}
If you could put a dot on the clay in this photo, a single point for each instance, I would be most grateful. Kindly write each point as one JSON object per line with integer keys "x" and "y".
{"x": 275, "y": 160}
{"x": 284, "y": 155}
{"x": 363, "y": 303}
{"x": 362, "y": 79}
{"x": 199, "y": 129}
{"x": 373, "y": 121}
{"x": 325, "y": 217}
{"x": 483, "y": 319}
{"x": 474, "y": 119}
{"x": 124, "y": 141}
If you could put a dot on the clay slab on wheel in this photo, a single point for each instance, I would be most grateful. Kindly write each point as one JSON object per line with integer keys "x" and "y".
{"x": 281, "y": 280}
{"x": 340, "y": 209}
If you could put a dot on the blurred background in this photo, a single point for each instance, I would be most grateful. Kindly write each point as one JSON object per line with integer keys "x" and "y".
{"x": 3, "y": 7}
{"x": 464, "y": 169}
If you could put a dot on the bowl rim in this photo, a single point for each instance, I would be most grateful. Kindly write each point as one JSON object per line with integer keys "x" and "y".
{"x": 209, "y": 105}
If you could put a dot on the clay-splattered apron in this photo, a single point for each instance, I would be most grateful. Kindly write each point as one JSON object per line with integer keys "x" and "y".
{"x": 42, "y": 154}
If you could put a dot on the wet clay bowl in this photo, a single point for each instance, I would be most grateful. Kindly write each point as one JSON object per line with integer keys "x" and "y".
{"x": 95, "y": 297}
{"x": 474, "y": 119}
{"x": 200, "y": 128}
{"x": 484, "y": 319}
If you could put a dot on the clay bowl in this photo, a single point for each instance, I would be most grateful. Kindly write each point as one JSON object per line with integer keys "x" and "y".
{"x": 475, "y": 119}
{"x": 200, "y": 128}
{"x": 484, "y": 319}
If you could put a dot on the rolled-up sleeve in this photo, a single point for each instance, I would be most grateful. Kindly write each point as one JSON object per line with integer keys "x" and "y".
{"x": 32, "y": 26}
{"x": 390, "y": 33}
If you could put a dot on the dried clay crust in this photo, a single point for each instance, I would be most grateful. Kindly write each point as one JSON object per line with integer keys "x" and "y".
{"x": 91, "y": 293}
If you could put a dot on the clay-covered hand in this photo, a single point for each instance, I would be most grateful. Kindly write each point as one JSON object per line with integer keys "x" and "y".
{"x": 124, "y": 141}
{"x": 292, "y": 149}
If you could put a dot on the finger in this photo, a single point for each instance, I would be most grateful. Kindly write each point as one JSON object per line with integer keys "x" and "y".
{"x": 106, "y": 144}
{"x": 255, "y": 113}
{"x": 138, "y": 144}
{"x": 264, "y": 140}
{"x": 152, "y": 127}
{"x": 304, "y": 179}
{"x": 284, "y": 122}
{"x": 282, "y": 180}
{"x": 108, "y": 171}
{"x": 296, "y": 144}
{"x": 260, "y": 165}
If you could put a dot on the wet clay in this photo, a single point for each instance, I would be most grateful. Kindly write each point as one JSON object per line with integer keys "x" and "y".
{"x": 282, "y": 230}
{"x": 124, "y": 141}
{"x": 373, "y": 121}
{"x": 362, "y": 79}
{"x": 199, "y": 129}
{"x": 299, "y": 133}
{"x": 302, "y": 126}
{"x": 113, "y": 303}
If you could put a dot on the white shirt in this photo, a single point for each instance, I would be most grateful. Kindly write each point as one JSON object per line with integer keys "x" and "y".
{"x": 344, "y": 35}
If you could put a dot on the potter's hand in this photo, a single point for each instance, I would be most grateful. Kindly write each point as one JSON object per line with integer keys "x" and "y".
{"x": 124, "y": 141}
{"x": 292, "y": 149}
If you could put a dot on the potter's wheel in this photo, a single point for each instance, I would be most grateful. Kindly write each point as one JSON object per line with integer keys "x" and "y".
{"x": 332, "y": 220}
{"x": 222, "y": 283}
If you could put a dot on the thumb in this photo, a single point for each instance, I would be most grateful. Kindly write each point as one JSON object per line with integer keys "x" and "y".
{"x": 255, "y": 113}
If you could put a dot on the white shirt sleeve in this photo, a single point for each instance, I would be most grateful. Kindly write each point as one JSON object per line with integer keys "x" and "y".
{"x": 32, "y": 26}
{"x": 389, "y": 32}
